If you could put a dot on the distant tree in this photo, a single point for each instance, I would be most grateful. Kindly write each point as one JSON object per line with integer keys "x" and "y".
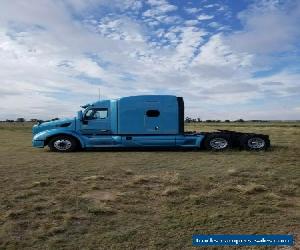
{"x": 188, "y": 119}
{"x": 199, "y": 119}
{"x": 227, "y": 120}
{"x": 258, "y": 120}
{"x": 7, "y": 120}
{"x": 217, "y": 120}
{"x": 239, "y": 120}
{"x": 33, "y": 120}
{"x": 20, "y": 120}
{"x": 208, "y": 121}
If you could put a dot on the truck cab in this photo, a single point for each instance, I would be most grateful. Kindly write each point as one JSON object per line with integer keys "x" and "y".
{"x": 155, "y": 121}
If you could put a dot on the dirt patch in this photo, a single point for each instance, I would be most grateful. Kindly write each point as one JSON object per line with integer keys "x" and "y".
{"x": 94, "y": 177}
{"x": 144, "y": 179}
{"x": 171, "y": 178}
{"x": 170, "y": 191}
{"x": 251, "y": 188}
{"x": 98, "y": 196}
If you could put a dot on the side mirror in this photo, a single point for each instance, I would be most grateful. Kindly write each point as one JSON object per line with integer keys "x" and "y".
{"x": 80, "y": 115}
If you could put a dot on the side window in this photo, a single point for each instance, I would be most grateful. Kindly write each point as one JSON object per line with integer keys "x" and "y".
{"x": 92, "y": 114}
{"x": 89, "y": 114}
{"x": 101, "y": 114}
{"x": 152, "y": 113}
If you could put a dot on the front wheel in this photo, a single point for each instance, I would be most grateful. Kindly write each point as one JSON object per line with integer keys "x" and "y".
{"x": 217, "y": 142}
{"x": 63, "y": 143}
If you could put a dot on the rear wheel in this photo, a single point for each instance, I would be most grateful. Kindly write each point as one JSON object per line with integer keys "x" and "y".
{"x": 63, "y": 143}
{"x": 217, "y": 142}
{"x": 254, "y": 142}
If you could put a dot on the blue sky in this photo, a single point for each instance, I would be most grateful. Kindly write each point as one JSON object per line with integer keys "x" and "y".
{"x": 229, "y": 59}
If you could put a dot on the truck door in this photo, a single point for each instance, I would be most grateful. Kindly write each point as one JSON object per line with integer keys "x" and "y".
{"x": 96, "y": 126}
{"x": 96, "y": 121}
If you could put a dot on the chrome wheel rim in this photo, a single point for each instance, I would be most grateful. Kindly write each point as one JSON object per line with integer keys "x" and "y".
{"x": 218, "y": 143}
{"x": 62, "y": 144}
{"x": 256, "y": 143}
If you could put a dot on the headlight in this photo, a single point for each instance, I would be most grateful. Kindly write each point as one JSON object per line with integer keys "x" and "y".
{"x": 34, "y": 129}
{"x": 40, "y": 136}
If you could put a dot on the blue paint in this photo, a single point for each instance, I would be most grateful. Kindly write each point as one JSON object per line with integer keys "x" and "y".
{"x": 135, "y": 121}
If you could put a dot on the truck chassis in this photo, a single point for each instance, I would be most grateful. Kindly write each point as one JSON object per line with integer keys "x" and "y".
{"x": 214, "y": 141}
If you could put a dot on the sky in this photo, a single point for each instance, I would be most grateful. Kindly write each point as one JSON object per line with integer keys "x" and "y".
{"x": 229, "y": 59}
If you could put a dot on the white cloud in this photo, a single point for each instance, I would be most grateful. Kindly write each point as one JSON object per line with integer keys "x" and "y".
{"x": 80, "y": 6}
{"x": 162, "y": 6}
{"x": 51, "y": 62}
{"x": 268, "y": 27}
{"x": 89, "y": 68}
{"x": 286, "y": 82}
{"x": 162, "y": 3}
{"x": 119, "y": 28}
{"x": 192, "y": 10}
{"x": 215, "y": 52}
{"x": 214, "y": 25}
{"x": 211, "y": 5}
{"x": 191, "y": 38}
{"x": 160, "y": 11}
{"x": 203, "y": 17}
{"x": 191, "y": 22}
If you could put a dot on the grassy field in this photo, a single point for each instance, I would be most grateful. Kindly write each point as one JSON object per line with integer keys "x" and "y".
{"x": 146, "y": 200}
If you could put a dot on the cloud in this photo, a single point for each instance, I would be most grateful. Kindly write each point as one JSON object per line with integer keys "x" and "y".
{"x": 81, "y": 6}
{"x": 55, "y": 55}
{"x": 203, "y": 17}
{"x": 217, "y": 53}
{"x": 268, "y": 27}
{"x": 214, "y": 25}
{"x": 162, "y": 5}
{"x": 159, "y": 12}
{"x": 192, "y": 10}
{"x": 119, "y": 28}
{"x": 159, "y": 7}
{"x": 191, "y": 22}
{"x": 283, "y": 83}
{"x": 272, "y": 83}
{"x": 232, "y": 88}
{"x": 210, "y": 5}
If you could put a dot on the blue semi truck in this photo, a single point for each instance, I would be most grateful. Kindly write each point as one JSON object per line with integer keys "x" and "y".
{"x": 146, "y": 121}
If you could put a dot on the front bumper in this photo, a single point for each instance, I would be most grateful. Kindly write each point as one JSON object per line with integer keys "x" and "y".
{"x": 38, "y": 143}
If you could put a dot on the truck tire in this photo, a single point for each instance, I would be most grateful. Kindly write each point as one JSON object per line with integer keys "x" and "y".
{"x": 254, "y": 142}
{"x": 217, "y": 142}
{"x": 63, "y": 143}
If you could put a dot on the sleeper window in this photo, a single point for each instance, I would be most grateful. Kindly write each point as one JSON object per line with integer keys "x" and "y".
{"x": 152, "y": 113}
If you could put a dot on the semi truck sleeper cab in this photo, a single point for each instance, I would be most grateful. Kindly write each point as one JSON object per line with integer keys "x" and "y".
{"x": 146, "y": 121}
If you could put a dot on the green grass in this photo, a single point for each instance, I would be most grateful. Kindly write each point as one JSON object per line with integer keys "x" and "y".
{"x": 146, "y": 200}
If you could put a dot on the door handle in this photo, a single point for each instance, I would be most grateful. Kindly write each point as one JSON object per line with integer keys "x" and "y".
{"x": 104, "y": 130}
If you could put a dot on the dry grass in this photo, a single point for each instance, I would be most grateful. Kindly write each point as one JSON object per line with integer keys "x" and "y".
{"x": 170, "y": 191}
{"x": 146, "y": 200}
